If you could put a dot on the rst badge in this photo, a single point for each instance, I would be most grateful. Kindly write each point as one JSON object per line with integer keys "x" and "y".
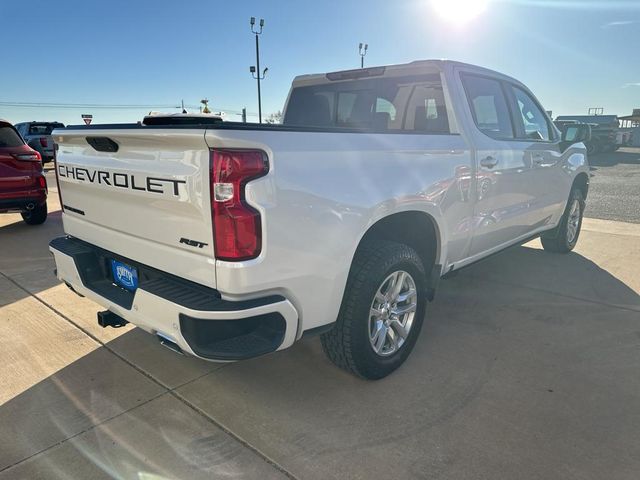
{"x": 193, "y": 243}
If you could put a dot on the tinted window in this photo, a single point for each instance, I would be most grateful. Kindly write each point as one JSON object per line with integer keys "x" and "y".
{"x": 43, "y": 128}
{"x": 9, "y": 137}
{"x": 530, "y": 119}
{"x": 371, "y": 105}
{"x": 488, "y": 106}
{"x": 346, "y": 103}
{"x": 426, "y": 111}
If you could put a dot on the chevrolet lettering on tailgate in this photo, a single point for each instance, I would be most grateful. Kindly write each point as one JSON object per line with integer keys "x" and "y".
{"x": 121, "y": 180}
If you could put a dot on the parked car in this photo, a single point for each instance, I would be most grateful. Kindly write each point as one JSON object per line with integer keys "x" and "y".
{"x": 604, "y": 129}
{"x": 38, "y": 136}
{"x": 230, "y": 240}
{"x": 23, "y": 187}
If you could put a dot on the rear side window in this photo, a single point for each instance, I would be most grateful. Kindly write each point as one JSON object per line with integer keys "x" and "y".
{"x": 9, "y": 137}
{"x": 377, "y": 105}
{"x": 488, "y": 106}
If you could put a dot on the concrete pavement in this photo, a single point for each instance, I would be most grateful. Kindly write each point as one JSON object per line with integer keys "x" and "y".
{"x": 527, "y": 367}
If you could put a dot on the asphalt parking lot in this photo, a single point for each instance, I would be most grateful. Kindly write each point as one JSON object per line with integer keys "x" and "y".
{"x": 527, "y": 367}
{"x": 615, "y": 186}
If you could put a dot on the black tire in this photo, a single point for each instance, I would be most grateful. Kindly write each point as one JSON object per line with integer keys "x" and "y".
{"x": 557, "y": 240}
{"x": 37, "y": 216}
{"x": 348, "y": 344}
{"x": 592, "y": 148}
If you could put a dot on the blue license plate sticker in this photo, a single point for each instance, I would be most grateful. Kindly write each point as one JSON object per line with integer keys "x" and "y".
{"x": 124, "y": 275}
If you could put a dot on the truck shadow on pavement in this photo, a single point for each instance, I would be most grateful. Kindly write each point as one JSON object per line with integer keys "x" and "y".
{"x": 509, "y": 351}
{"x": 25, "y": 257}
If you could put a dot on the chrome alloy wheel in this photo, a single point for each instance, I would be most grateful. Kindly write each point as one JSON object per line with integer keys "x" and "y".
{"x": 573, "y": 221}
{"x": 392, "y": 312}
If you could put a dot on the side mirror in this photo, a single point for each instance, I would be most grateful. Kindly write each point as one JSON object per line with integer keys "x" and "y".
{"x": 575, "y": 133}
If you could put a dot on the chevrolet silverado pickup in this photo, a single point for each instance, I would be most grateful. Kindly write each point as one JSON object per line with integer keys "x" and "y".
{"x": 230, "y": 240}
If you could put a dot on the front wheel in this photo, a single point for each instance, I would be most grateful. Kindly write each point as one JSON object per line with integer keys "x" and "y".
{"x": 36, "y": 216}
{"x": 564, "y": 238}
{"x": 381, "y": 313}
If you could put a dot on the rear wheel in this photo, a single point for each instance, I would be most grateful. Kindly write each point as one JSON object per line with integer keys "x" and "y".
{"x": 36, "y": 216}
{"x": 381, "y": 313}
{"x": 564, "y": 238}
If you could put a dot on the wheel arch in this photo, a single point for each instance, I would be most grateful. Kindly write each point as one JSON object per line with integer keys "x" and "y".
{"x": 581, "y": 182}
{"x": 416, "y": 229}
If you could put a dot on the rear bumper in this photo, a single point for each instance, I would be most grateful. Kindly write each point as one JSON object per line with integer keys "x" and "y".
{"x": 191, "y": 315}
{"x": 22, "y": 203}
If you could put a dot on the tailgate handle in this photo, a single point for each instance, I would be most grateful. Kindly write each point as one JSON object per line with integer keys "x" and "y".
{"x": 103, "y": 144}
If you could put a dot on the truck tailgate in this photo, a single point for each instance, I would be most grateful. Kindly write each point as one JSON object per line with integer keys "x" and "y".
{"x": 148, "y": 201}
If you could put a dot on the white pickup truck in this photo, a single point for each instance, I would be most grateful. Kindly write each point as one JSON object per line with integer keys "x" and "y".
{"x": 231, "y": 240}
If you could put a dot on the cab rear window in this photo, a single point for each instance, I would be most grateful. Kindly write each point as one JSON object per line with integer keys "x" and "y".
{"x": 400, "y": 104}
{"x": 9, "y": 137}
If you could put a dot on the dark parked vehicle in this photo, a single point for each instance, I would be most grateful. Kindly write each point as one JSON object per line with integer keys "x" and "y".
{"x": 38, "y": 136}
{"x": 23, "y": 187}
{"x": 604, "y": 129}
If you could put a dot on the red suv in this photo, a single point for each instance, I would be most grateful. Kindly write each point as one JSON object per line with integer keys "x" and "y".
{"x": 23, "y": 187}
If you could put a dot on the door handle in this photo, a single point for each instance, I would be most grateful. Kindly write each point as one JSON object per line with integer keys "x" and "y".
{"x": 489, "y": 162}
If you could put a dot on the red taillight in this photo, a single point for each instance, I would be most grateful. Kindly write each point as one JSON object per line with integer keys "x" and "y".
{"x": 44, "y": 142}
{"x": 237, "y": 230}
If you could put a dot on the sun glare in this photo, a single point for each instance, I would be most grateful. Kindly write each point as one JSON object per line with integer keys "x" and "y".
{"x": 459, "y": 11}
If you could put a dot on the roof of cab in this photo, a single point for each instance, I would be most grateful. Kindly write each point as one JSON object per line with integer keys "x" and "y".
{"x": 415, "y": 67}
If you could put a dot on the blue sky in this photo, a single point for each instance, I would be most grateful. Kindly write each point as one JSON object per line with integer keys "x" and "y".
{"x": 573, "y": 54}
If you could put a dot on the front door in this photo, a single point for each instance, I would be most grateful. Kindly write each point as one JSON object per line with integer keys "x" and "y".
{"x": 539, "y": 141}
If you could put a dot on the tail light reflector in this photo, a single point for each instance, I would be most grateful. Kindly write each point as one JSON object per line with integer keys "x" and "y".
{"x": 237, "y": 229}
{"x": 28, "y": 157}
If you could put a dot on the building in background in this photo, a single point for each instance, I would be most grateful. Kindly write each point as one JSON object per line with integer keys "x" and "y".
{"x": 631, "y": 125}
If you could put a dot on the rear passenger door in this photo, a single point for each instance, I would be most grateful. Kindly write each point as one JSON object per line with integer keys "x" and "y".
{"x": 503, "y": 198}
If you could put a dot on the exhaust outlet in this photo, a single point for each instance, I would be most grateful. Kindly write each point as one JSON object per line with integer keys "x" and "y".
{"x": 165, "y": 341}
{"x": 31, "y": 206}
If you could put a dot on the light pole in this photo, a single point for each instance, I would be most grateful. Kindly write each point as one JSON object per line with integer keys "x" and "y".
{"x": 362, "y": 52}
{"x": 255, "y": 70}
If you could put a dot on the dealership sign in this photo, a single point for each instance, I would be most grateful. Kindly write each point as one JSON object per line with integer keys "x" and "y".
{"x": 87, "y": 119}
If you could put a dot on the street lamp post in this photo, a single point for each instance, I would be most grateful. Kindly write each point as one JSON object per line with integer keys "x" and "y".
{"x": 255, "y": 70}
{"x": 362, "y": 52}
